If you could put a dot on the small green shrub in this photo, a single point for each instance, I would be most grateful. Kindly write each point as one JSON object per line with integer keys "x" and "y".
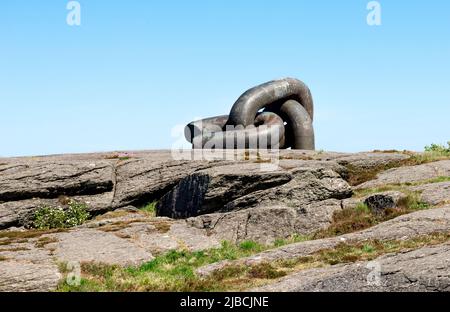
{"x": 437, "y": 148}
{"x": 250, "y": 246}
{"x": 150, "y": 208}
{"x": 46, "y": 218}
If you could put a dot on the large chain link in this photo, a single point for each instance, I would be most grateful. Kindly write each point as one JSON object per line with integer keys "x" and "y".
{"x": 277, "y": 114}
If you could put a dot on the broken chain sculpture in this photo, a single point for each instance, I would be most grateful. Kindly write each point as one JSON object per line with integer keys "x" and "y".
{"x": 278, "y": 113}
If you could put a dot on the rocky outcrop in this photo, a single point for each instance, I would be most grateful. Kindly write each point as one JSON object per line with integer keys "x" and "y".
{"x": 265, "y": 224}
{"x": 258, "y": 196}
{"x": 410, "y": 174}
{"x": 103, "y": 184}
{"x": 434, "y": 193}
{"x": 18, "y": 276}
{"x": 377, "y": 203}
{"x": 108, "y": 181}
{"x": 243, "y": 186}
{"x": 241, "y": 202}
{"x": 426, "y": 269}
{"x": 30, "y": 261}
{"x": 406, "y": 226}
{"x": 43, "y": 179}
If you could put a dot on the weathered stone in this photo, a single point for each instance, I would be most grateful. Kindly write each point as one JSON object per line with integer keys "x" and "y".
{"x": 434, "y": 193}
{"x": 242, "y": 200}
{"x": 410, "y": 174}
{"x": 89, "y": 245}
{"x": 21, "y": 212}
{"x": 143, "y": 180}
{"x": 162, "y": 235}
{"x": 300, "y": 197}
{"x": 25, "y": 277}
{"x": 125, "y": 237}
{"x": 426, "y": 270}
{"x": 106, "y": 181}
{"x": 371, "y": 160}
{"x": 266, "y": 224}
{"x": 243, "y": 186}
{"x": 403, "y": 227}
{"x": 28, "y": 179}
{"x": 381, "y": 201}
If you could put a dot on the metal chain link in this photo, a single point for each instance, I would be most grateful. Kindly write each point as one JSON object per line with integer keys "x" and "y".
{"x": 275, "y": 115}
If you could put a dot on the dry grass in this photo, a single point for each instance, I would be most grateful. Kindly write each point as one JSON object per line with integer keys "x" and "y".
{"x": 43, "y": 241}
{"x": 351, "y": 220}
{"x": 296, "y": 157}
{"x": 24, "y": 235}
{"x": 358, "y": 175}
{"x": 121, "y": 225}
{"x": 400, "y": 187}
{"x": 5, "y": 242}
{"x": 118, "y": 156}
{"x": 175, "y": 270}
{"x": 112, "y": 215}
{"x": 13, "y": 249}
{"x": 348, "y": 220}
{"x": 161, "y": 226}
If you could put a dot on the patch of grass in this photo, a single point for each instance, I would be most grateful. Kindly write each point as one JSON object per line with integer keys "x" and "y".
{"x": 385, "y": 188}
{"x": 359, "y": 218}
{"x": 263, "y": 161}
{"x": 119, "y": 156}
{"x": 46, "y": 218}
{"x": 357, "y": 175}
{"x": 120, "y": 225}
{"x": 112, "y": 215}
{"x": 251, "y": 246}
{"x": 438, "y": 180}
{"x": 3, "y": 258}
{"x": 150, "y": 208}
{"x": 369, "y": 250}
{"x": 412, "y": 203}
{"x": 347, "y": 221}
{"x": 265, "y": 270}
{"x": 296, "y": 157}
{"x": 440, "y": 149}
{"x": 23, "y": 236}
{"x": 401, "y": 187}
{"x": 161, "y": 226}
{"x": 14, "y": 249}
{"x": 173, "y": 271}
{"x": 434, "y": 152}
{"x": 295, "y": 238}
{"x": 393, "y": 151}
{"x": 5, "y": 242}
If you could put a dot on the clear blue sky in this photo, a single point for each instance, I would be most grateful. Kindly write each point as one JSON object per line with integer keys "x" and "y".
{"x": 135, "y": 69}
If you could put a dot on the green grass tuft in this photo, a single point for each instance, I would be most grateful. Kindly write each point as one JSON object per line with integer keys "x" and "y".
{"x": 173, "y": 271}
{"x": 150, "y": 208}
{"x": 350, "y": 220}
